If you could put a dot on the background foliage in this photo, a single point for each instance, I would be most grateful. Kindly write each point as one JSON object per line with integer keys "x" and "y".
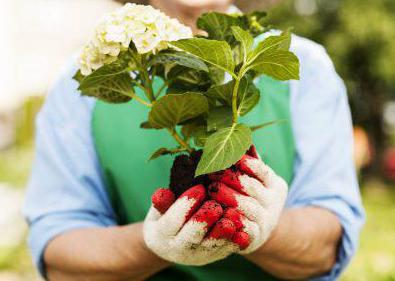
{"x": 359, "y": 35}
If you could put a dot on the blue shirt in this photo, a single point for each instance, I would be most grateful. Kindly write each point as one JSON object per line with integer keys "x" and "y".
{"x": 66, "y": 189}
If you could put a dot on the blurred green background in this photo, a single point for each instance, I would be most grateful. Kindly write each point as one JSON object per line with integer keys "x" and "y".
{"x": 359, "y": 36}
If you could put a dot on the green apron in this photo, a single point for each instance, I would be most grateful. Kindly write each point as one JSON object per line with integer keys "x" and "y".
{"x": 123, "y": 149}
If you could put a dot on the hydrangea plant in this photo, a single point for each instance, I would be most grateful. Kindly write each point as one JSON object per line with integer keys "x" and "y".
{"x": 207, "y": 80}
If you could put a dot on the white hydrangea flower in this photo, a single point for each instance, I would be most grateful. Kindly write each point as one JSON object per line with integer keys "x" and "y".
{"x": 149, "y": 29}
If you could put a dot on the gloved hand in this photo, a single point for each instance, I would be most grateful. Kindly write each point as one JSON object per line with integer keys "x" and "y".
{"x": 178, "y": 232}
{"x": 193, "y": 231}
{"x": 254, "y": 197}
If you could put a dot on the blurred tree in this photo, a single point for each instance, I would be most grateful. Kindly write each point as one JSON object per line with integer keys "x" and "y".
{"x": 26, "y": 115}
{"x": 360, "y": 37}
{"x": 252, "y": 5}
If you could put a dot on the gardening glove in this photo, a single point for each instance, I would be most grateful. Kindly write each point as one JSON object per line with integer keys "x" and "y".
{"x": 253, "y": 196}
{"x": 179, "y": 231}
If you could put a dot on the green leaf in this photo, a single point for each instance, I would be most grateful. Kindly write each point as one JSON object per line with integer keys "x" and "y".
{"x": 238, "y": 54}
{"x": 110, "y": 95}
{"x": 103, "y": 74}
{"x": 200, "y": 137}
{"x": 255, "y": 22}
{"x": 199, "y": 120}
{"x": 218, "y": 25}
{"x": 188, "y": 129}
{"x": 258, "y": 17}
{"x": 224, "y": 148}
{"x": 111, "y": 83}
{"x": 165, "y": 151}
{"x": 245, "y": 39}
{"x": 173, "y": 109}
{"x": 248, "y": 96}
{"x": 222, "y": 93}
{"x": 183, "y": 79}
{"x": 160, "y": 152}
{"x": 196, "y": 131}
{"x": 78, "y": 76}
{"x": 146, "y": 125}
{"x": 217, "y": 75}
{"x": 267, "y": 124}
{"x": 219, "y": 118}
{"x": 281, "y": 65}
{"x": 179, "y": 58}
{"x": 217, "y": 53}
{"x": 272, "y": 43}
{"x": 271, "y": 57}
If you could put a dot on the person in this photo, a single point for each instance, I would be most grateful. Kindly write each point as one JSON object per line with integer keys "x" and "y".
{"x": 90, "y": 187}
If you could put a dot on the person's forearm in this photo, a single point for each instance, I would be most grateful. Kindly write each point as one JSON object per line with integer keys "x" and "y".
{"x": 303, "y": 245}
{"x": 96, "y": 254}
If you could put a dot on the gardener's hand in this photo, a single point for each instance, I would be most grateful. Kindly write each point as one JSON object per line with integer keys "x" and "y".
{"x": 178, "y": 232}
{"x": 255, "y": 196}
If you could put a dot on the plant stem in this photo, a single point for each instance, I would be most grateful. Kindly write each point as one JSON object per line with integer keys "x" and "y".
{"x": 142, "y": 69}
{"x": 160, "y": 90}
{"x": 148, "y": 84}
{"x": 144, "y": 89}
{"x": 235, "y": 114}
{"x": 134, "y": 96}
{"x": 140, "y": 100}
{"x": 177, "y": 150}
{"x": 147, "y": 79}
{"x": 178, "y": 138}
{"x": 235, "y": 111}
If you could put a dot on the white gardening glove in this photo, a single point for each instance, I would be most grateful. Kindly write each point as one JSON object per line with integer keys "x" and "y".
{"x": 254, "y": 197}
{"x": 177, "y": 231}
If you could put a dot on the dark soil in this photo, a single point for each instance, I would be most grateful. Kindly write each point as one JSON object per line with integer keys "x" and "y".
{"x": 182, "y": 175}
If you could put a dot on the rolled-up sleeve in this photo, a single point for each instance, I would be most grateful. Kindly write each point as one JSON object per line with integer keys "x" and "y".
{"x": 324, "y": 171}
{"x": 65, "y": 190}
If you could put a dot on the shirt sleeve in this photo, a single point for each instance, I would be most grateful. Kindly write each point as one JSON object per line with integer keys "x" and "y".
{"x": 324, "y": 171}
{"x": 65, "y": 190}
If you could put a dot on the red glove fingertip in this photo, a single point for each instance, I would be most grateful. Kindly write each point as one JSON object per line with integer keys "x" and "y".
{"x": 253, "y": 152}
{"x": 243, "y": 166}
{"x": 235, "y": 216}
{"x": 162, "y": 199}
{"x": 242, "y": 239}
{"x": 230, "y": 178}
{"x": 199, "y": 194}
{"x": 210, "y": 213}
{"x": 223, "y": 229}
{"x": 223, "y": 194}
